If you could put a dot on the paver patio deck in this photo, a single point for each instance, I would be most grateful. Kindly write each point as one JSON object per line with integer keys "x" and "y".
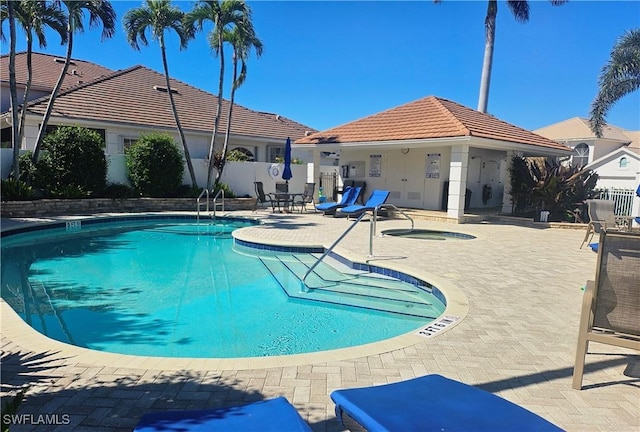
{"x": 518, "y": 340}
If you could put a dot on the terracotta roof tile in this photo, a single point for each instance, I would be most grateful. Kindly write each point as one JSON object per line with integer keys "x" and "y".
{"x": 46, "y": 70}
{"x": 426, "y": 118}
{"x": 130, "y": 96}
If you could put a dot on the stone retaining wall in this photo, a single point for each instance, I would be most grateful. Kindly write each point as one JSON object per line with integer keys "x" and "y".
{"x": 59, "y": 207}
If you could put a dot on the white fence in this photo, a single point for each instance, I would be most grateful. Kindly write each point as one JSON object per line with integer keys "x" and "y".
{"x": 240, "y": 176}
{"x": 623, "y": 199}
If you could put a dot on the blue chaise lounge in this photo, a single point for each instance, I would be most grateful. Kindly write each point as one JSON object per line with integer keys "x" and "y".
{"x": 349, "y": 197}
{"x": 377, "y": 198}
{"x": 432, "y": 403}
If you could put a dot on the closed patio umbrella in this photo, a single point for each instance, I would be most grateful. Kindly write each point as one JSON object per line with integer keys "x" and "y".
{"x": 286, "y": 174}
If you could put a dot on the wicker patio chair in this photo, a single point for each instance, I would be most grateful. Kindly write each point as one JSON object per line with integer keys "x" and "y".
{"x": 611, "y": 304}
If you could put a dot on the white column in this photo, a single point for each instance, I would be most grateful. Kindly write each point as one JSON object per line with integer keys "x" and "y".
{"x": 457, "y": 181}
{"x": 636, "y": 202}
{"x": 507, "y": 205}
{"x": 315, "y": 173}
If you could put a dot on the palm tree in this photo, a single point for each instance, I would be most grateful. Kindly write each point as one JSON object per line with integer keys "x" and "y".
{"x": 100, "y": 12}
{"x": 242, "y": 38}
{"x": 520, "y": 11}
{"x": 620, "y": 76}
{"x": 34, "y": 17}
{"x": 160, "y": 16}
{"x": 8, "y": 12}
{"x": 223, "y": 15}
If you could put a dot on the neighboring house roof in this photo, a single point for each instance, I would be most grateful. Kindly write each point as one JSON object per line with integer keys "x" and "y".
{"x": 430, "y": 117}
{"x": 634, "y": 136}
{"x": 132, "y": 96}
{"x": 46, "y": 70}
{"x": 578, "y": 128}
{"x": 622, "y": 151}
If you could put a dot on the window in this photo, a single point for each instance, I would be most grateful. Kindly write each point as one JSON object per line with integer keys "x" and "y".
{"x": 127, "y": 143}
{"x": 276, "y": 153}
{"x": 246, "y": 152}
{"x": 581, "y": 155}
{"x": 623, "y": 163}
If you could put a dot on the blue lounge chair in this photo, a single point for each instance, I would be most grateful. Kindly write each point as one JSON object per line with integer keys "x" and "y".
{"x": 378, "y": 197}
{"x": 432, "y": 403}
{"x": 349, "y": 197}
{"x": 274, "y": 415}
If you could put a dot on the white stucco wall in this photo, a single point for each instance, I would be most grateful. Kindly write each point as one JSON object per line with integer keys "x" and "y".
{"x": 612, "y": 175}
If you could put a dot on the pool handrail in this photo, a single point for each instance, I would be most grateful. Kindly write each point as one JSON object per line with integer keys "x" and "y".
{"x": 330, "y": 248}
{"x": 372, "y": 232}
{"x": 205, "y": 191}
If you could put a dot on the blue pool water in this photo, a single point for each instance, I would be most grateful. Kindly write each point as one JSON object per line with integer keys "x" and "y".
{"x": 173, "y": 288}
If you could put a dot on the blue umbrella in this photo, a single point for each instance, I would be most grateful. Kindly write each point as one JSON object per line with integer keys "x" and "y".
{"x": 638, "y": 190}
{"x": 286, "y": 174}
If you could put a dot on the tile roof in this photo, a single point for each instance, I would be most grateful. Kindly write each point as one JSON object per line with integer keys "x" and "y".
{"x": 577, "y": 128}
{"x": 430, "y": 117}
{"x": 130, "y": 96}
{"x": 46, "y": 70}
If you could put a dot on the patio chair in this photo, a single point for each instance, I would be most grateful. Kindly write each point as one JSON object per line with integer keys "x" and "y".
{"x": 306, "y": 197}
{"x": 602, "y": 216}
{"x": 611, "y": 303}
{"x": 349, "y": 197}
{"x": 263, "y": 198}
{"x": 275, "y": 415}
{"x": 432, "y": 403}
{"x": 377, "y": 198}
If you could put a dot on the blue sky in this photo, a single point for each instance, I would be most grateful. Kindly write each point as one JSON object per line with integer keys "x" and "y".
{"x": 328, "y": 63}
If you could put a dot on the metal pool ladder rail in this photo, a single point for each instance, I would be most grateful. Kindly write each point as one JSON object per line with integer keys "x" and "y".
{"x": 216, "y": 204}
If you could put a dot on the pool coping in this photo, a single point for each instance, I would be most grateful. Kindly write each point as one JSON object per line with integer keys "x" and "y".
{"x": 22, "y": 334}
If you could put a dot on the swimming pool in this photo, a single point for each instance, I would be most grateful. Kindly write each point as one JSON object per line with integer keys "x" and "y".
{"x": 174, "y": 288}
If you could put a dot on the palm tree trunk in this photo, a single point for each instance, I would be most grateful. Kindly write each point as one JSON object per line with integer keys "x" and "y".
{"x": 27, "y": 89}
{"x": 13, "y": 92}
{"x": 216, "y": 122}
{"x": 490, "y": 33}
{"x": 54, "y": 94}
{"x": 187, "y": 156}
{"x": 227, "y": 132}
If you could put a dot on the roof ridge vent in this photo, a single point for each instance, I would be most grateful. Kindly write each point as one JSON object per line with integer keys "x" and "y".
{"x": 164, "y": 89}
{"x": 61, "y": 60}
{"x": 277, "y": 117}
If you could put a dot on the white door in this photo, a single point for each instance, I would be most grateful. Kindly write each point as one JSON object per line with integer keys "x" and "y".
{"x": 405, "y": 178}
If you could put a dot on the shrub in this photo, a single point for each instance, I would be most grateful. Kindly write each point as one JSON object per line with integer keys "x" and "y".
{"x": 118, "y": 191}
{"x": 16, "y": 190}
{"x": 236, "y": 155}
{"x": 228, "y": 193}
{"x": 73, "y": 159}
{"x": 69, "y": 192}
{"x": 547, "y": 185}
{"x": 154, "y": 165}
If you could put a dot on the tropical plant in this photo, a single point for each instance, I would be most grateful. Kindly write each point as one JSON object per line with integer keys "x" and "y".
{"x": 160, "y": 16}
{"x": 548, "y": 185}
{"x": 223, "y": 15}
{"x": 242, "y": 38}
{"x": 154, "y": 165}
{"x": 15, "y": 190}
{"x": 620, "y": 76}
{"x": 520, "y": 11}
{"x": 73, "y": 160}
{"x": 100, "y": 11}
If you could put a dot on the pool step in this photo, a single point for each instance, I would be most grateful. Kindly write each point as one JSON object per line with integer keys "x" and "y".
{"x": 362, "y": 290}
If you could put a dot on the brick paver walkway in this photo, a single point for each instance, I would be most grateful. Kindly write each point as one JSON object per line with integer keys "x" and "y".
{"x": 518, "y": 340}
